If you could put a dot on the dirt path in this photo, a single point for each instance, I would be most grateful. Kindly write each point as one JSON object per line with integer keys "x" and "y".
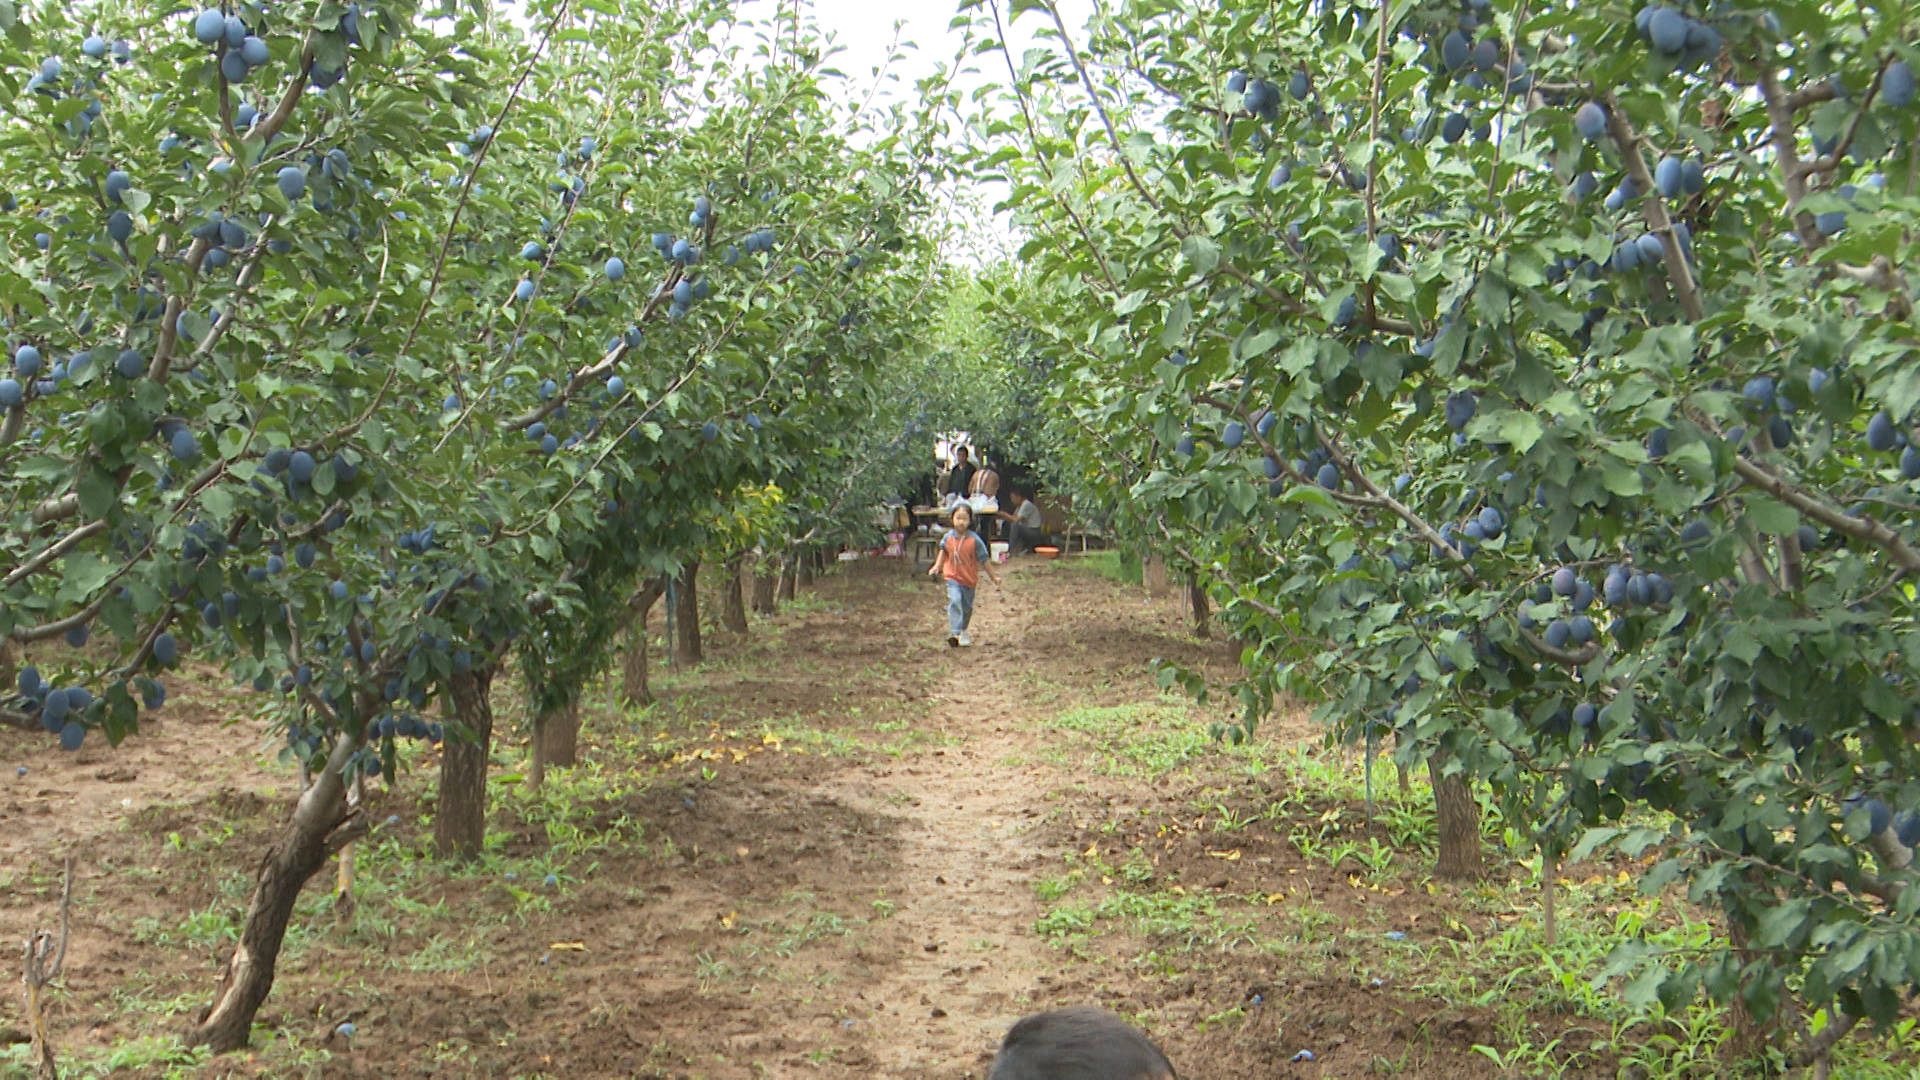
{"x": 966, "y": 857}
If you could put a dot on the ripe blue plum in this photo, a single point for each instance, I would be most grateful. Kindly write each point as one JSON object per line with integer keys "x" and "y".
{"x": 1460, "y": 408}
{"x": 209, "y": 27}
{"x": 1881, "y": 433}
{"x": 1591, "y": 121}
{"x": 1897, "y": 84}
{"x": 1667, "y": 30}
{"x": 1669, "y": 178}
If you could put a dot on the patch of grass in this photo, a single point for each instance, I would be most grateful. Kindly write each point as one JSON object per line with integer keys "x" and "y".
{"x": 160, "y": 1056}
{"x": 1144, "y": 739}
{"x": 146, "y": 1055}
{"x": 1049, "y": 889}
{"x": 210, "y": 929}
{"x": 1110, "y": 563}
{"x": 1181, "y": 921}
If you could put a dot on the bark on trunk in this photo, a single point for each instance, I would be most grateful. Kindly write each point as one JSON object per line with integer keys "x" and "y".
{"x": 686, "y": 617}
{"x": 766, "y": 574}
{"x": 1202, "y": 610}
{"x": 789, "y": 571}
{"x": 1153, "y": 571}
{"x": 633, "y": 669}
{"x": 803, "y": 573}
{"x": 733, "y": 612}
{"x": 1458, "y": 819}
{"x": 460, "y": 818}
{"x": 633, "y": 666}
{"x": 321, "y": 824}
{"x": 9, "y": 664}
{"x": 556, "y": 741}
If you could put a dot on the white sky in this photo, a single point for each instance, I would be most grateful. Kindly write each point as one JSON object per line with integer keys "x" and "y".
{"x": 866, "y": 30}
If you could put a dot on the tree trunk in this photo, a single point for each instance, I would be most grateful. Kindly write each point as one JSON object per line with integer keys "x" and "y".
{"x": 1202, "y": 610}
{"x": 734, "y": 611}
{"x": 460, "y": 819}
{"x": 633, "y": 666}
{"x": 766, "y": 574}
{"x": 789, "y": 571}
{"x": 1153, "y": 571}
{"x": 1458, "y": 819}
{"x": 9, "y": 664}
{"x": 343, "y": 878}
{"x": 686, "y": 617}
{"x": 321, "y": 824}
{"x": 556, "y": 740}
{"x": 633, "y": 669}
{"x": 803, "y": 569}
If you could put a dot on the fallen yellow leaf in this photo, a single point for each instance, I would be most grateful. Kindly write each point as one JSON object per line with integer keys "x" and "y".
{"x": 568, "y": 946}
{"x": 727, "y": 920}
{"x": 1230, "y": 856}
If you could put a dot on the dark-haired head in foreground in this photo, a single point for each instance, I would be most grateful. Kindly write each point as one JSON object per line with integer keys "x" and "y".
{"x": 1078, "y": 1043}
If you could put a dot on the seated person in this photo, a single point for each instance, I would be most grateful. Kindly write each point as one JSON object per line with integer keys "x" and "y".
{"x": 1027, "y": 528}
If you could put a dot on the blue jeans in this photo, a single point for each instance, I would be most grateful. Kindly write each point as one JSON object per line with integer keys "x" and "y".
{"x": 959, "y": 606}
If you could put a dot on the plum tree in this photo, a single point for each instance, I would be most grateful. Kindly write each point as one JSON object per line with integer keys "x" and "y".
{"x": 1599, "y": 376}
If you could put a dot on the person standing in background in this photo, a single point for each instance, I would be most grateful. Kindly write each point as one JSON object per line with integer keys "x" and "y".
{"x": 960, "y": 478}
{"x": 986, "y": 482}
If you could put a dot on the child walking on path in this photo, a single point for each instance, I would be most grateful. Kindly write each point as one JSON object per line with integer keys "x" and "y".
{"x": 962, "y": 554}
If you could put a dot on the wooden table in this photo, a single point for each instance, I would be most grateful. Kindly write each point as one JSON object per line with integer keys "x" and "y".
{"x": 924, "y": 544}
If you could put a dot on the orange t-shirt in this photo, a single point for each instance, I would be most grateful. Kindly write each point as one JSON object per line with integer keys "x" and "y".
{"x": 963, "y": 556}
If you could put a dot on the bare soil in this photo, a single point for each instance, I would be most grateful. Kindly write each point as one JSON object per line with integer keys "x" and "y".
{"x": 839, "y": 832}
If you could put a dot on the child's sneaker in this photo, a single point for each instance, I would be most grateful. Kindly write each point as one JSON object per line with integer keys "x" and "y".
{"x": 963, "y": 639}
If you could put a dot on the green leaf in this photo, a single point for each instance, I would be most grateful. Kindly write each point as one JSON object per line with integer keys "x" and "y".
{"x": 1519, "y": 429}
{"x": 1770, "y": 515}
{"x": 1256, "y": 343}
{"x": 1780, "y": 926}
{"x": 98, "y": 493}
{"x": 1203, "y": 254}
{"x": 1179, "y": 314}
